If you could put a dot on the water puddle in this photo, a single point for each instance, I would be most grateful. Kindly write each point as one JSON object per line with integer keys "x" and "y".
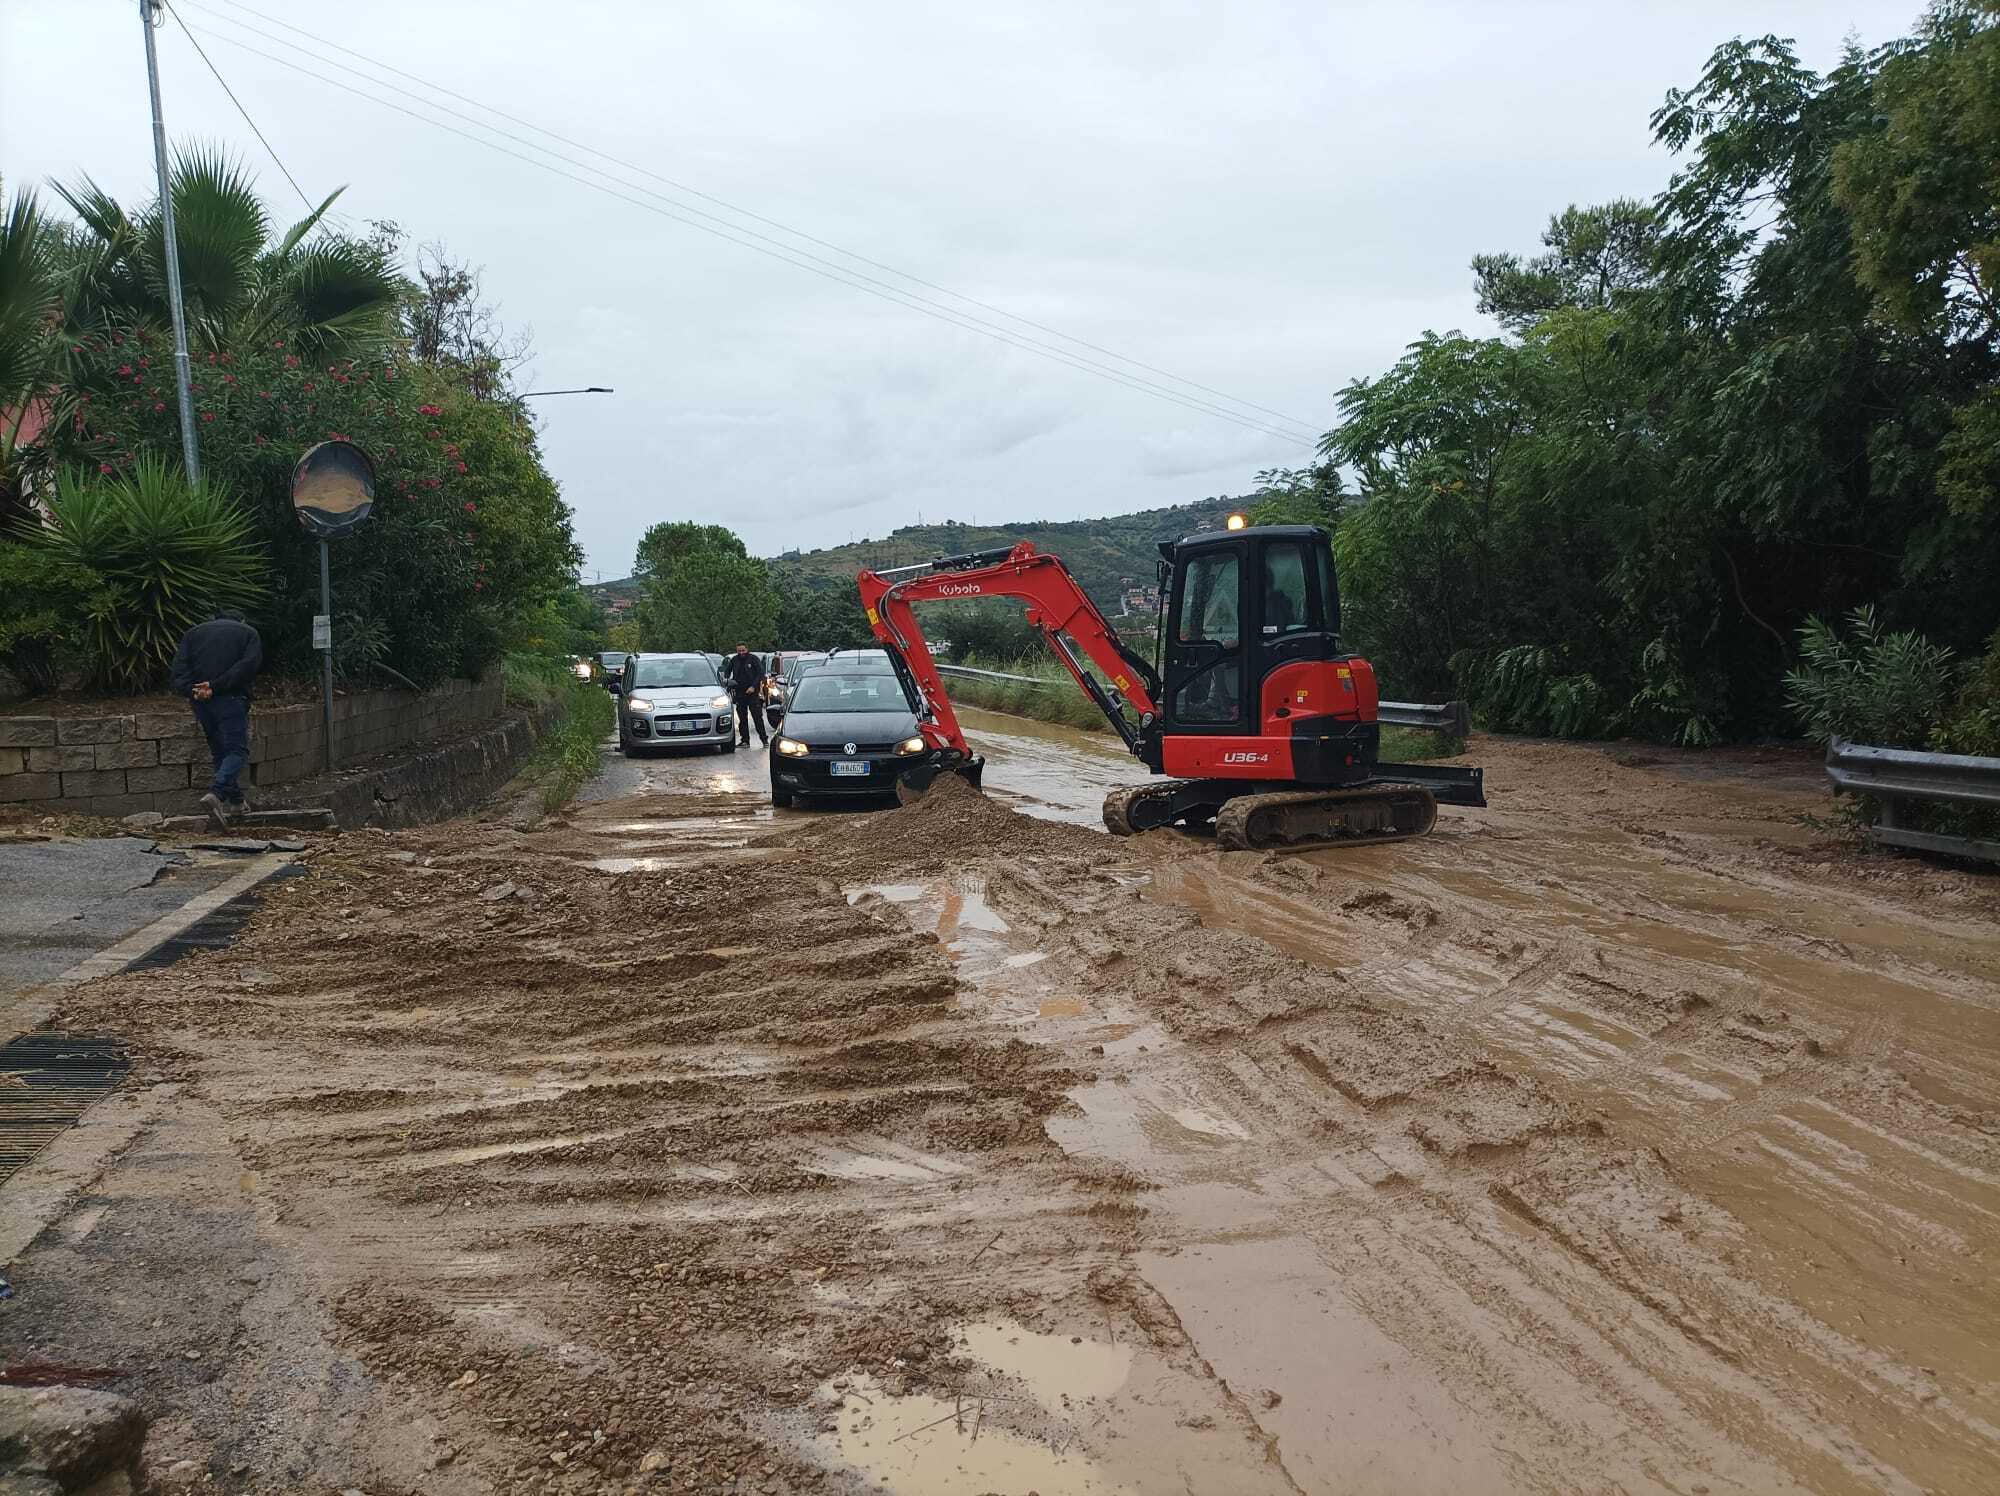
{"x": 923, "y": 1446}
{"x": 1061, "y": 1370}
{"x": 965, "y": 908}
{"x": 1060, "y": 1007}
{"x": 914, "y": 1169}
{"x": 894, "y": 893}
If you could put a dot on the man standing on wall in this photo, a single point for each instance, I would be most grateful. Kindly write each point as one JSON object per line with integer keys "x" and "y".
{"x": 744, "y": 673}
{"x": 213, "y": 668}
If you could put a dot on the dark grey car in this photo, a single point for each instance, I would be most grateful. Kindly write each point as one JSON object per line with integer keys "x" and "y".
{"x": 845, "y": 734}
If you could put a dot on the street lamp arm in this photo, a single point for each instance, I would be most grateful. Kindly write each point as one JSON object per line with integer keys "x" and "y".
{"x": 595, "y": 389}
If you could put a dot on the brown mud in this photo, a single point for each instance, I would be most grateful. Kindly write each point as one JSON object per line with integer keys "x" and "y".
{"x": 1629, "y": 1135}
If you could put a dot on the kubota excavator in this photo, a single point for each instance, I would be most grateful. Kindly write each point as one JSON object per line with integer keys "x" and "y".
{"x": 1267, "y": 725}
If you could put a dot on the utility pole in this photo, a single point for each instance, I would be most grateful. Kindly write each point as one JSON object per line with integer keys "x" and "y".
{"x": 151, "y": 14}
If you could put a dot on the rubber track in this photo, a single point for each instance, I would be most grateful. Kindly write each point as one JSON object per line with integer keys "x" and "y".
{"x": 1233, "y": 823}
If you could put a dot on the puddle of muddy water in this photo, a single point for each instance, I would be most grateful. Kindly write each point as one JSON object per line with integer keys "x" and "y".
{"x": 1058, "y": 1369}
{"x": 922, "y": 1446}
{"x": 894, "y": 893}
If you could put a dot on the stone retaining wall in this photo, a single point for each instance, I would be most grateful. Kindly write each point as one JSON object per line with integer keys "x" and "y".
{"x": 113, "y": 765}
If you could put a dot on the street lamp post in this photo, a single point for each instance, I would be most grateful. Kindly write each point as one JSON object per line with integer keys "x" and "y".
{"x": 594, "y": 389}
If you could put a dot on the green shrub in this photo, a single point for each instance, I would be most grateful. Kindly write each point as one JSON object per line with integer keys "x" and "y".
{"x": 1973, "y": 723}
{"x": 1527, "y": 689}
{"x": 536, "y": 679}
{"x": 574, "y": 749}
{"x": 168, "y": 554}
{"x": 44, "y": 604}
{"x": 1888, "y": 690}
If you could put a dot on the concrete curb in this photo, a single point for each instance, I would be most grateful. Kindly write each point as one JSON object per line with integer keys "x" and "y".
{"x": 143, "y": 942}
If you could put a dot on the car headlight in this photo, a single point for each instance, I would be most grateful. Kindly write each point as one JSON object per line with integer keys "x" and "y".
{"x": 638, "y": 704}
{"x": 719, "y": 704}
{"x": 912, "y": 745}
{"x": 792, "y": 748}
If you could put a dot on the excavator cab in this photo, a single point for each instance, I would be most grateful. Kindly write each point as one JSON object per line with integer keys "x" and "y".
{"x": 1249, "y": 648}
{"x": 1238, "y": 604}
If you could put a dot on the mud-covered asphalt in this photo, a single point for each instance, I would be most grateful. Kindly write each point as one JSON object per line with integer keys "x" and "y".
{"x": 1630, "y": 1135}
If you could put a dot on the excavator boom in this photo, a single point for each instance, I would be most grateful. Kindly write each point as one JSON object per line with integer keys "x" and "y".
{"x": 1058, "y": 607}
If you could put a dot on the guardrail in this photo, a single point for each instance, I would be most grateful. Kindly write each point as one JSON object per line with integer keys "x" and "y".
{"x": 1452, "y": 717}
{"x": 1900, "y": 777}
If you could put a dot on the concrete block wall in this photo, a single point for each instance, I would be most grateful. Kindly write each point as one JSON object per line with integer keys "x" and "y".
{"x": 115, "y": 765}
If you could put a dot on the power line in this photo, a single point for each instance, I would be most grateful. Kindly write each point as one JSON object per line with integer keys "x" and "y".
{"x": 239, "y": 106}
{"x": 1305, "y": 429}
{"x": 774, "y": 249}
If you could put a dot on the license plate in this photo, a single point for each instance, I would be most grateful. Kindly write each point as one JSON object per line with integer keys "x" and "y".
{"x": 685, "y": 726}
{"x": 851, "y": 768}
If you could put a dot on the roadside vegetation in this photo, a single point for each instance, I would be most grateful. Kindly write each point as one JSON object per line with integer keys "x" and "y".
{"x": 572, "y": 750}
{"x": 298, "y": 334}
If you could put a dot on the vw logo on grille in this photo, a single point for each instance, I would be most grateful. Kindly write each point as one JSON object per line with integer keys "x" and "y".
{"x": 850, "y": 749}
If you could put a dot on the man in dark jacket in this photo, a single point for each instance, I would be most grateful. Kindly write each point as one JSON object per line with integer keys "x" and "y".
{"x": 744, "y": 673}
{"x": 213, "y": 668}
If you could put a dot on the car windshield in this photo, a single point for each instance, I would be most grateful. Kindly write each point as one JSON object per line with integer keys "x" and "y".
{"x": 870, "y": 662}
{"x": 823, "y": 691}
{"x": 796, "y": 666}
{"x": 654, "y": 674}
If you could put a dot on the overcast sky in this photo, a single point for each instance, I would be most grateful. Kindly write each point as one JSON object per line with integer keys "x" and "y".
{"x": 1269, "y": 199}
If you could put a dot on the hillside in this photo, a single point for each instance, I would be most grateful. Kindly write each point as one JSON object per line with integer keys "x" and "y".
{"x": 1103, "y": 553}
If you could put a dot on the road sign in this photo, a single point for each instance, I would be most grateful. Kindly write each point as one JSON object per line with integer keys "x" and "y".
{"x": 322, "y": 631}
{"x": 333, "y": 489}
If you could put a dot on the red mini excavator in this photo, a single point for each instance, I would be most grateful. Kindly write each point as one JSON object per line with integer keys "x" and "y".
{"x": 1267, "y": 725}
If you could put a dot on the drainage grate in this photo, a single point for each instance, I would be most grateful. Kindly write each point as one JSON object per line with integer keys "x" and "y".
{"x": 46, "y": 1081}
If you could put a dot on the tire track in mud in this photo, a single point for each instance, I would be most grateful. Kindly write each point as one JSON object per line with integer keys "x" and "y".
{"x": 1513, "y": 1075}
{"x": 572, "y": 1166}
{"x": 1420, "y": 1166}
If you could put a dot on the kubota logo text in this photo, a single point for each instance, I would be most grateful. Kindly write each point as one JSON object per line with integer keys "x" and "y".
{"x": 1244, "y": 756}
{"x": 958, "y": 589}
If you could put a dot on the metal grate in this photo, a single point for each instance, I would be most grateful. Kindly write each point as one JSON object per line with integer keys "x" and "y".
{"x": 46, "y": 1081}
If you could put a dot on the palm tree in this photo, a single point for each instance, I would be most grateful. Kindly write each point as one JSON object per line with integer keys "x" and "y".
{"x": 325, "y": 294}
{"x": 30, "y": 348}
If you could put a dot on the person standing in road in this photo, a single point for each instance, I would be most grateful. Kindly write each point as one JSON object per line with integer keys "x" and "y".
{"x": 744, "y": 673}
{"x": 213, "y": 668}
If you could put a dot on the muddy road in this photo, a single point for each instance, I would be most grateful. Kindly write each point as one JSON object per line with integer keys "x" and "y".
{"x": 1627, "y": 1136}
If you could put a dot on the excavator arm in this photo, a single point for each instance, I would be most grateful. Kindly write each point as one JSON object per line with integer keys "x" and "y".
{"x": 1060, "y": 610}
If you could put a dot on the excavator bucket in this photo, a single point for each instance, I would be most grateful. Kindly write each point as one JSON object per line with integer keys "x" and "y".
{"x": 911, "y": 786}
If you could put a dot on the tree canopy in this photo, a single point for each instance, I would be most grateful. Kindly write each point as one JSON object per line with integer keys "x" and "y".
{"x": 1770, "y": 395}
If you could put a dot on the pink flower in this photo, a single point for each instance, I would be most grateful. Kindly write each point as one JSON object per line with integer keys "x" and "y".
{"x": 291, "y": 359}
{"x": 104, "y": 467}
{"x": 260, "y": 440}
{"x": 158, "y": 406}
{"x": 471, "y": 508}
{"x": 461, "y": 468}
{"x": 307, "y": 386}
{"x": 430, "y": 410}
{"x": 124, "y": 368}
{"x": 145, "y": 363}
{"x": 431, "y": 482}
{"x": 208, "y": 415}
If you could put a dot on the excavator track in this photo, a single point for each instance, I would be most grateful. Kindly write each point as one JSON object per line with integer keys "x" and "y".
{"x": 1143, "y": 807}
{"x": 1299, "y": 820}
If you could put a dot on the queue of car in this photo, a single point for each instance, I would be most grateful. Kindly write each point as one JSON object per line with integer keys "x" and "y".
{"x": 843, "y": 721}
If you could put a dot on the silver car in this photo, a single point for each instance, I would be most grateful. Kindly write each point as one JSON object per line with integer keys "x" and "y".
{"x": 673, "y": 701}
